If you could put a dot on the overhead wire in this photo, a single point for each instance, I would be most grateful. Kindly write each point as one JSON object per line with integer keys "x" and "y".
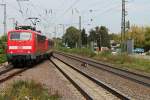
{"x": 71, "y": 6}
{"x": 68, "y": 9}
{"x": 97, "y": 10}
{"x": 47, "y": 23}
{"x": 102, "y": 12}
{"x": 20, "y": 8}
{"x": 112, "y": 8}
{"x": 109, "y": 10}
{"x": 36, "y": 9}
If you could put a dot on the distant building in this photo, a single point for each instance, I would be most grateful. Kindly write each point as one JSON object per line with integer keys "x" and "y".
{"x": 114, "y": 45}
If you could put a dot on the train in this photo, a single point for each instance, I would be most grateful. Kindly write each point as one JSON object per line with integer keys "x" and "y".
{"x": 26, "y": 45}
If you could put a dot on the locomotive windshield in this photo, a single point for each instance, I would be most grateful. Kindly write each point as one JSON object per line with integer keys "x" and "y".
{"x": 20, "y": 36}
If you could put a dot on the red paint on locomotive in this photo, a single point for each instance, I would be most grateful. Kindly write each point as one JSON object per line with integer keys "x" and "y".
{"x": 27, "y": 45}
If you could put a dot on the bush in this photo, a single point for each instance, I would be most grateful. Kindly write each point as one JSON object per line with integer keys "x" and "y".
{"x": 105, "y": 53}
{"x": 3, "y": 58}
{"x": 123, "y": 60}
{"x": 120, "y": 60}
{"x": 1, "y": 51}
{"x": 83, "y": 51}
{"x": 23, "y": 90}
{"x": 80, "y": 51}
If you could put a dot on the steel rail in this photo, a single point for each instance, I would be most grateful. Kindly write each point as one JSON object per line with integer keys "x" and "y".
{"x": 115, "y": 92}
{"x": 73, "y": 82}
{"x": 138, "y": 78}
{"x": 5, "y": 69}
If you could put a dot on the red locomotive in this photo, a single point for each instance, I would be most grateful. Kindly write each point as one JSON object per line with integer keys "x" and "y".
{"x": 25, "y": 45}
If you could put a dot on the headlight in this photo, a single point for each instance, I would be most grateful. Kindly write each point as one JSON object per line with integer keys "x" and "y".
{"x": 29, "y": 52}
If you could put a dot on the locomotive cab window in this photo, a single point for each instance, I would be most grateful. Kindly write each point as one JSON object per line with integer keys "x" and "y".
{"x": 20, "y": 36}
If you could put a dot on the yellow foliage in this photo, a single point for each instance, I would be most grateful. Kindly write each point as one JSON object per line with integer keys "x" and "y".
{"x": 137, "y": 33}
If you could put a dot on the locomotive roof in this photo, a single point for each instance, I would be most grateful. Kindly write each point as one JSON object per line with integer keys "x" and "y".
{"x": 31, "y": 31}
{"x": 35, "y": 32}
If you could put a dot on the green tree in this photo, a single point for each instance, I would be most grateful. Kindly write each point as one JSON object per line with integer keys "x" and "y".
{"x": 3, "y": 44}
{"x": 115, "y": 37}
{"x": 92, "y": 35}
{"x": 98, "y": 37}
{"x": 71, "y": 37}
{"x": 3, "y": 38}
{"x": 101, "y": 36}
{"x": 104, "y": 37}
{"x": 84, "y": 37}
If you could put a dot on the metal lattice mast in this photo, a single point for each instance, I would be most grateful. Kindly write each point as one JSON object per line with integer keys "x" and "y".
{"x": 123, "y": 26}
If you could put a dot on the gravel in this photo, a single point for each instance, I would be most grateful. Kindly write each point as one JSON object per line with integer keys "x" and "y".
{"x": 3, "y": 64}
{"x": 91, "y": 88}
{"x": 130, "y": 88}
{"x": 46, "y": 74}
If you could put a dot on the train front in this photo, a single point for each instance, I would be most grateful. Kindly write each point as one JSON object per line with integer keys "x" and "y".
{"x": 19, "y": 46}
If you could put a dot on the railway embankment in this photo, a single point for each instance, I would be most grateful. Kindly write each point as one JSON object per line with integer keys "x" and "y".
{"x": 45, "y": 74}
{"x": 123, "y": 61}
{"x": 131, "y": 84}
{"x": 27, "y": 90}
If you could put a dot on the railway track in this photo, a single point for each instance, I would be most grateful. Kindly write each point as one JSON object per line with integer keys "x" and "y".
{"x": 8, "y": 72}
{"x": 138, "y": 78}
{"x": 5, "y": 69}
{"x": 89, "y": 87}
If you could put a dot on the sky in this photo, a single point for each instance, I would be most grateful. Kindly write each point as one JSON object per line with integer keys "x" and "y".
{"x": 54, "y": 14}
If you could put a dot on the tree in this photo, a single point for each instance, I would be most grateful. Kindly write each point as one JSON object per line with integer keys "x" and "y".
{"x": 147, "y": 38}
{"x": 71, "y": 37}
{"x": 84, "y": 37}
{"x": 115, "y": 37}
{"x": 105, "y": 40}
{"x": 100, "y": 35}
{"x": 137, "y": 33}
{"x": 92, "y": 35}
{"x": 3, "y": 40}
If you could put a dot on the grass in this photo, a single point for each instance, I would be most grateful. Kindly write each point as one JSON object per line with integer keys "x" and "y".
{"x": 83, "y": 51}
{"x": 27, "y": 90}
{"x": 125, "y": 61}
{"x": 3, "y": 58}
{"x": 120, "y": 60}
{"x": 148, "y": 53}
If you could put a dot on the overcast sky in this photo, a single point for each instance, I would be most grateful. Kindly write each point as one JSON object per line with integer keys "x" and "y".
{"x": 55, "y": 12}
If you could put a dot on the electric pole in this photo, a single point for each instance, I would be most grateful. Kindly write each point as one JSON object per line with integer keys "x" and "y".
{"x": 123, "y": 26}
{"x": 63, "y": 29}
{"x": 55, "y": 31}
{"x": 5, "y": 18}
{"x": 80, "y": 37}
